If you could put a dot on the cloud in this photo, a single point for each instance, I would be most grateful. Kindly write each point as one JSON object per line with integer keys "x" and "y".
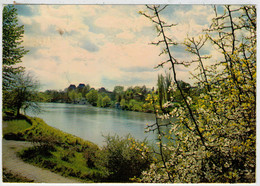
{"x": 88, "y": 45}
{"x": 25, "y": 10}
{"x": 138, "y": 69}
{"x": 102, "y": 45}
{"x": 125, "y": 35}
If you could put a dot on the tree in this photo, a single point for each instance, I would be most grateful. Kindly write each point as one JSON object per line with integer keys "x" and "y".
{"x": 214, "y": 133}
{"x": 118, "y": 92}
{"x": 123, "y": 104}
{"x": 22, "y": 94}
{"x": 129, "y": 94}
{"x": 106, "y": 101}
{"x": 86, "y": 89}
{"x": 161, "y": 90}
{"x": 92, "y": 97}
{"x": 143, "y": 92}
{"x": 168, "y": 83}
{"x": 74, "y": 96}
{"x": 100, "y": 100}
{"x": 137, "y": 93}
{"x": 13, "y": 51}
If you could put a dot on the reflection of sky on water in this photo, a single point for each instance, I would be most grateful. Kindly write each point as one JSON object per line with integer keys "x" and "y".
{"x": 91, "y": 123}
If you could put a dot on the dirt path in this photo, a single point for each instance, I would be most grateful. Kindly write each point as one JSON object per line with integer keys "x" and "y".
{"x": 16, "y": 165}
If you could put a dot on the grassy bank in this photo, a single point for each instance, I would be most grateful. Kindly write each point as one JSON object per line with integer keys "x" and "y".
{"x": 53, "y": 149}
{"x": 14, "y": 126}
{"x": 71, "y": 156}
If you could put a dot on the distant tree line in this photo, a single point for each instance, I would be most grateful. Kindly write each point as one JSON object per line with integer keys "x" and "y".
{"x": 133, "y": 98}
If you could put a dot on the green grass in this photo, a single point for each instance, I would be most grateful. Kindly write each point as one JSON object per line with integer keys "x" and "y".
{"x": 61, "y": 152}
{"x": 39, "y": 129}
{"x": 15, "y": 126}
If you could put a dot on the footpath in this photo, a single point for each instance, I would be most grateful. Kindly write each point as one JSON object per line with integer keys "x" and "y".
{"x": 17, "y": 166}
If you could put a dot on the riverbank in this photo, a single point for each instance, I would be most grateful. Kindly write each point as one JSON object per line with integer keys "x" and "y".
{"x": 52, "y": 149}
{"x": 72, "y": 157}
{"x": 93, "y": 123}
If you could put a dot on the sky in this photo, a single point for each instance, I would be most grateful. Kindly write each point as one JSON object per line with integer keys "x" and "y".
{"x": 104, "y": 45}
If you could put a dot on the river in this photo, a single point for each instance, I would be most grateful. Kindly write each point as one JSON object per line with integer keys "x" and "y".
{"x": 92, "y": 123}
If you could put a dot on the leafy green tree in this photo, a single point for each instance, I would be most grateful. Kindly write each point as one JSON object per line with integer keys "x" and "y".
{"x": 43, "y": 97}
{"x": 13, "y": 51}
{"x": 131, "y": 104}
{"x": 137, "y": 93}
{"x": 161, "y": 90}
{"x": 100, "y": 100}
{"x": 106, "y": 101}
{"x": 129, "y": 94}
{"x": 143, "y": 92}
{"x": 118, "y": 92}
{"x": 92, "y": 97}
{"x": 74, "y": 96}
{"x": 123, "y": 104}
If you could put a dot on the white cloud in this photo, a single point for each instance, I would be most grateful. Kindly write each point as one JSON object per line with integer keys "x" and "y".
{"x": 125, "y": 35}
{"x": 63, "y": 58}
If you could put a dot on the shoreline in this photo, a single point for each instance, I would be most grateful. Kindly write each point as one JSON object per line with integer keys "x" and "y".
{"x": 91, "y": 123}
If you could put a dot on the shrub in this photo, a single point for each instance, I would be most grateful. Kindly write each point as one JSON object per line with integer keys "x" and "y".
{"x": 122, "y": 160}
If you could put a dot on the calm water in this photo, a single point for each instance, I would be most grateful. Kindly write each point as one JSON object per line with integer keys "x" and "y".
{"x": 90, "y": 123}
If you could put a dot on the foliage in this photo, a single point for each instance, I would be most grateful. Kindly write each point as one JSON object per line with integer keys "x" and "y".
{"x": 215, "y": 130}
{"x": 21, "y": 94}
{"x": 102, "y": 97}
{"x": 74, "y": 96}
{"x": 42, "y": 97}
{"x": 122, "y": 160}
{"x": 106, "y": 101}
{"x": 100, "y": 100}
{"x": 13, "y": 50}
{"x": 92, "y": 97}
{"x": 118, "y": 93}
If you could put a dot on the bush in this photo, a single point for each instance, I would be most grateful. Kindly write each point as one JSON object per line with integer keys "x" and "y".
{"x": 122, "y": 160}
